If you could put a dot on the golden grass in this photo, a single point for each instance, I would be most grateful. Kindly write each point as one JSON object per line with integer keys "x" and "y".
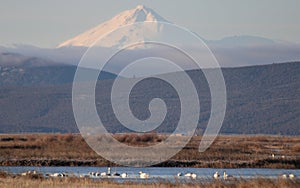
{"x": 226, "y": 151}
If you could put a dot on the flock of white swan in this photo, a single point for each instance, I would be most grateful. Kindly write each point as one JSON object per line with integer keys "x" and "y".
{"x": 143, "y": 175}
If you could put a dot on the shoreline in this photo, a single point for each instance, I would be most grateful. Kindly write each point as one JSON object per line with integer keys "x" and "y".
{"x": 271, "y": 164}
{"x": 37, "y": 180}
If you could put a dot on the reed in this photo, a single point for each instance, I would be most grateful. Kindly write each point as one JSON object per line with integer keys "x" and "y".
{"x": 227, "y": 151}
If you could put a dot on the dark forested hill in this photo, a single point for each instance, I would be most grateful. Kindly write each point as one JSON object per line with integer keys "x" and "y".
{"x": 19, "y": 70}
{"x": 260, "y": 100}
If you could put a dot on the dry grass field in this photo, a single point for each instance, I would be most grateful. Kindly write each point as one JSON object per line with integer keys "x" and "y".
{"x": 226, "y": 151}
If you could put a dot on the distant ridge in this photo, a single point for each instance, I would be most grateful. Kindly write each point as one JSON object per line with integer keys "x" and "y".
{"x": 19, "y": 70}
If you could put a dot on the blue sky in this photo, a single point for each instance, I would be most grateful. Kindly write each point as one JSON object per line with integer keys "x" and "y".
{"x": 48, "y": 23}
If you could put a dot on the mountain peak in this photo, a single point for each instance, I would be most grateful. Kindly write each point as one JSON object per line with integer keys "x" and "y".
{"x": 144, "y": 9}
{"x": 140, "y": 13}
{"x": 140, "y": 7}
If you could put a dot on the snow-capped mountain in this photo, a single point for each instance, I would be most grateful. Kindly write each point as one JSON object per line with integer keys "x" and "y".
{"x": 231, "y": 51}
{"x": 129, "y": 17}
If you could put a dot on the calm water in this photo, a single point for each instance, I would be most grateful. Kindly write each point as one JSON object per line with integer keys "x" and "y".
{"x": 156, "y": 172}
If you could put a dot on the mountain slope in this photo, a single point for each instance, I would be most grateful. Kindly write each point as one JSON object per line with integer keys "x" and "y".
{"x": 261, "y": 100}
{"x": 16, "y": 69}
{"x": 138, "y": 14}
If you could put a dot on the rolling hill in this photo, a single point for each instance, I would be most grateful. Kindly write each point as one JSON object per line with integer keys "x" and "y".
{"x": 260, "y": 100}
{"x": 19, "y": 70}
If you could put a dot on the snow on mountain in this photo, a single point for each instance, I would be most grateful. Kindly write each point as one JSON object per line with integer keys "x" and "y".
{"x": 232, "y": 51}
{"x": 129, "y": 17}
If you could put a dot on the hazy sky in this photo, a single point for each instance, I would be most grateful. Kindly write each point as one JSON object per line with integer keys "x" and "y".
{"x": 48, "y": 23}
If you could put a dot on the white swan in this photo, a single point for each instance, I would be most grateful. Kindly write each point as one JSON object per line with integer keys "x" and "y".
{"x": 180, "y": 174}
{"x": 55, "y": 175}
{"x": 104, "y": 174}
{"x": 192, "y": 175}
{"x": 28, "y": 173}
{"x": 124, "y": 175}
{"x": 273, "y": 155}
{"x": 108, "y": 171}
{"x": 58, "y": 175}
{"x": 25, "y": 173}
{"x": 94, "y": 174}
{"x": 226, "y": 176}
{"x": 292, "y": 176}
{"x": 83, "y": 176}
{"x": 216, "y": 175}
{"x": 144, "y": 175}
